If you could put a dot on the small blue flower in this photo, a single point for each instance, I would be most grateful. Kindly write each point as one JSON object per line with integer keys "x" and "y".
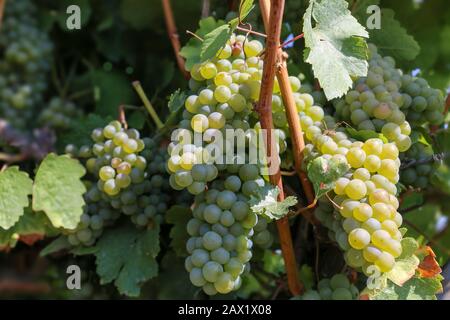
{"x": 289, "y": 38}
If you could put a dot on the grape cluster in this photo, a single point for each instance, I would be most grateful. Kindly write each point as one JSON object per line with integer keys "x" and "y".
{"x": 220, "y": 244}
{"x": 24, "y": 63}
{"x": 129, "y": 173}
{"x": 418, "y": 175}
{"x": 422, "y": 104}
{"x": 376, "y": 103}
{"x": 59, "y": 114}
{"x": 336, "y": 288}
{"x": 97, "y": 214}
{"x": 363, "y": 218}
{"x": 224, "y": 90}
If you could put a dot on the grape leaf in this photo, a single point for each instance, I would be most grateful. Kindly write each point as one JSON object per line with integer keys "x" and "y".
{"x": 392, "y": 39}
{"x": 15, "y": 187}
{"x": 406, "y": 264}
{"x": 30, "y": 228}
{"x": 214, "y": 41}
{"x": 245, "y": 7}
{"x": 428, "y": 267}
{"x": 191, "y": 51}
{"x": 80, "y": 131}
{"x": 414, "y": 289}
{"x": 179, "y": 217}
{"x": 173, "y": 280}
{"x": 363, "y": 135}
{"x": 266, "y": 203}
{"x": 323, "y": 174}
{"x": 139, "y": 14}
{"x": 56, "y": 245}
{"x": 176, "y": 100}
{"x": 111, "y": 89}
{"x": 336, "y": 46}
{"x": 58, "y": 190}
{"x": 127, "y": 257}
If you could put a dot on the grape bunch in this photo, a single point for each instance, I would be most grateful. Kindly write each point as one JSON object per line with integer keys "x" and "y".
{"x": 129, "y": 173}
{"x": 116, "y": 158}
{"x": 418, "y": 174}
{"x": 59, "y": 114}
{"x": 97, "y": 214}
{"x": 221, "y": 230}
{"x": 223, "y": 92}
{"x": 336, "y": 288}
{"x": 422, "y": 104}
{"x": 376, "y": 103}
{"x": 24, "y": 63}
{"x": 363, "y": 217}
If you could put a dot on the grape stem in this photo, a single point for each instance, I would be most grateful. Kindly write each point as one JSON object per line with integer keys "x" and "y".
{"x": 10, "y": 158}
{"x": 256, "y": 33}
{"x": 206, "y": 8}
{"x": 194, "y": 35}
{"x": 137, "y": 86}
{"x": 122, "y": 117}
{"x": 174, "y": 37}
{"x": 439, "y": 157}
{"x": 2, "y": 10}
{"x": 273, "y": 30}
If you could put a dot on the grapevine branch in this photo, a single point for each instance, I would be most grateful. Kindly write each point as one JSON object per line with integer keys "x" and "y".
{"x": 206, "y": 8}
{"x": 265, "y": 112}
{"x": 291, "y": 112}
{"x": 173, "y": 36}
{"x": 2, "y": 10}
{"x": 438, "y": 157}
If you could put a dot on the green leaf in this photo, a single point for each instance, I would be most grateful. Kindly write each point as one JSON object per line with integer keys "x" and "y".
{"x": 405, "y": 265}
{"x": 139, "y": 14}
{"x": 415, "y": 289}
{"x": 214, "y": 41}
{"x": 392, "y": 39}
{"x": 425, "y": 219}
{"x": 191, "y": 51}
{"x": 411, "y": 200}
{"x": 15, "y": 187}
{"x": 60, "y": 243}
{"x": 112, "y": 89}
{"x": 176, "y": 100}
{"x": 80, "y": 131}
{"x": 323, "y": 174}
{"x": 173, "y": 280}
{"x": 58, "y": 190}
{"x": 179, "y": 217}
{"x": 266, "y": 203}
{"x": 136, "y": 119}
{"x": 29, "y": 224}
{"x": 336, "y": 46}
{"x": 127, "y": 257}
{"x": 273, "y": 262}
{"x": 83, "y": 251}
{"x": 363, "y": 135}
{"x": 245, "y": 7}
{"x": 306, "y": 276}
